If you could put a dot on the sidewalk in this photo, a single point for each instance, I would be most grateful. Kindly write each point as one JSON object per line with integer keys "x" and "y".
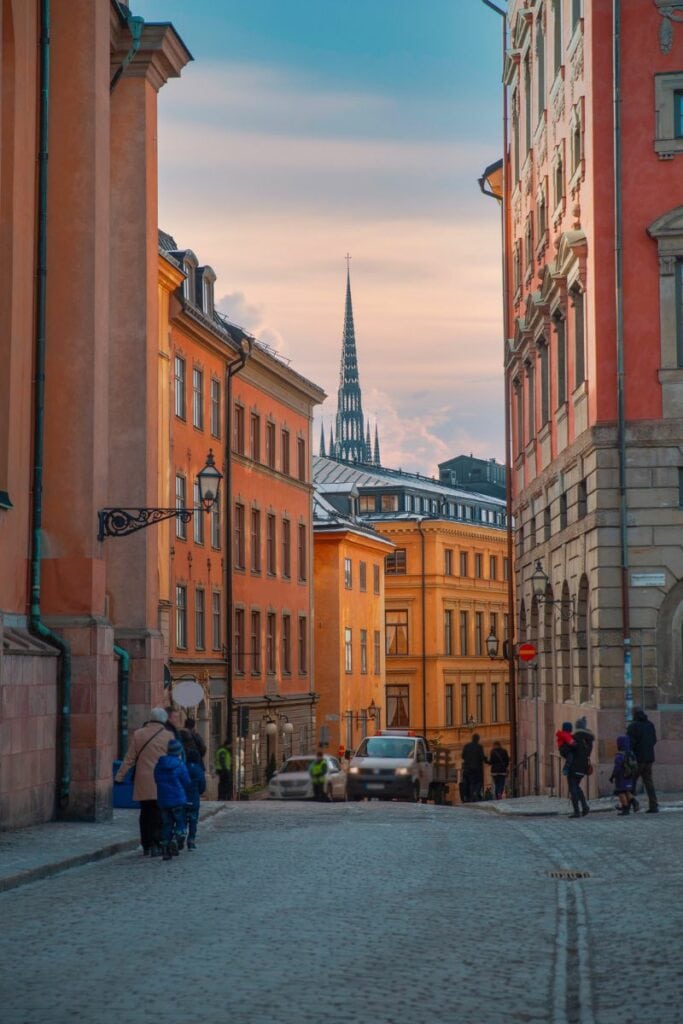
{"x": 543, "y": 806}
{"x": 28, "y": 854}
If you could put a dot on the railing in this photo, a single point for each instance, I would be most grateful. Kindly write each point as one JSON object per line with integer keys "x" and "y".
{"x": 525, "y": 776}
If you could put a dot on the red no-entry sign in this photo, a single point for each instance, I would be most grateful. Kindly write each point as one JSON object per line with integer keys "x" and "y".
{"x": 526, "y": 652}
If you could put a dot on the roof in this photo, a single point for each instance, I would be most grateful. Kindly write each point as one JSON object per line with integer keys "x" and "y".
{"x": 326, "y": 519}
{"x": 331, "y": 472}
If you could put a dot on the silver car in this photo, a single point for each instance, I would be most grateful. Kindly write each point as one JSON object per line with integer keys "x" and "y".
{"x": 293, "y": 781}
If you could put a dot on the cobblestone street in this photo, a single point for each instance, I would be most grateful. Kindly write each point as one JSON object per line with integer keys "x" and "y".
{"x": 389, "y": 913}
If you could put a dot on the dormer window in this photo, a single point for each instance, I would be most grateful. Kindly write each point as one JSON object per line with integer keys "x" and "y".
{"x": 205, "y": 283}
{"x": 188, "y": 283}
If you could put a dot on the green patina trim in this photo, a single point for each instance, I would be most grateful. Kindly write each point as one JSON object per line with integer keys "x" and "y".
{"x": 4, "y": 500}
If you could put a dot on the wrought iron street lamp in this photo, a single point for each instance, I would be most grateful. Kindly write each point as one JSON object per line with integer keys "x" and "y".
{"x": 119, "y": 522}
{"x": 539, "y": 588}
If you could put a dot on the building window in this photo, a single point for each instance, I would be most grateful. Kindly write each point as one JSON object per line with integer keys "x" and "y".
{"x": 479, "y": 633}
{"x": 519, "y": 405}
{"x": 256, "y": 643}
{"x": 255, "y": 540}
{"x": 180, "y": 408}
{"x": 527, "y": 103}
{"x": 270, "y": 545}
{"x": 577, "y": 301}
{"x": 216, "y": 527}
{"x": 479, "y": 715}
{"x": 558, "y": 179}
{"x": 301, "y": 552}
{"x": 180, "y": 502}
{"x": 255, "y": 436}
{"x": 506, "y": 626}
{"x": 286, "y": 644}
{"x": 348, "y": 574}
{"x": 545, "y": 381}
{"x": 448, "y": 561}
{"x": 576, "y": 140}
{"x": 448, "y": 705}
{"x": 238, "y": 429}
{"x": 181, "y": 616}
{"x": 542, "y": 211}
{"x": 239, "y": 640}
{"x": 581, "y": 499}
{"x": 515, "y": 139}
{"x": 215, "y": 407}
{"x": 377, "y": 652}
{"x": 286, "y": 549}
{"x": 507, "y": 702}
{"x": 448, "y": 632}
{"x": 561, "y": 338}
{"x": 547, "y": 523}
{"x": 494, "y": 702}
{"x": 464, "y": 630}
{"x": 376, "y": 577}
{"x": 576, "y": 12}
{"x": 395, "y": 563}
{"x": 478, "y": 566}
{"x": 301, "y": 458}
{"x": 532, "y": 531}
{"x": 506, "y": 568}
{"x": 367, "y": 503}
{"x": 463, "y": 563}
{"x": 396, "y": 629}
{"x": 493, "y": 567}
{"x": 678, "y": 114}
{"x": 529, "y": 244}
{"x": 464, "y": 704}
{"x": 284, "y": 451}
{"x": 348, "y": 649}
{"x": 493, "y": 620}
{"x": 389, "y": 503}
{"x": 197, "y": 399}
{"x": 199, "y": 619}
{"x": 198, "y": 517}
{"x": 239, "y": 537}
{"x": 563, "y": 510}
{"x": 398, "y": 706}
{"x": 270, "y": 643}
{"x": 363, "y": 576}
{"x": 364, "y": 651}
{"x": 216, "y": 631}
{"x": 270, "y": 445}
{"x": 303, "y": 646}
{"x": 680, "y": 488}
{"x": 540, "y": 66}
{"x": 557, "y": 35}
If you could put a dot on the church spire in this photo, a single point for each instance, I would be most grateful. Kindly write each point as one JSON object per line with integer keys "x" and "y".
{"x": 322, "y": 440}
{"x": 376, "y": 458}
{"x": 351, "y": 445}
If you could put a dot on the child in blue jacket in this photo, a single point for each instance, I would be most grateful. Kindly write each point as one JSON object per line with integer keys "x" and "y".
{"x": 195, "y": 770}
{"x": 174, "y": 792}
{"x": 623, "y": 776}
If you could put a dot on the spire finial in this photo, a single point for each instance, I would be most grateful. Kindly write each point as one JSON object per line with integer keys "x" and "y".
{"x": 348, "y": 259}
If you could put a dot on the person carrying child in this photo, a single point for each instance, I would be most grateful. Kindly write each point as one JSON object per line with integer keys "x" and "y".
{"x": 174, "y": 792}
{"x": 575, "y": 767}
{"x": 195, "y": 770}
{"x": 624, "y": 775}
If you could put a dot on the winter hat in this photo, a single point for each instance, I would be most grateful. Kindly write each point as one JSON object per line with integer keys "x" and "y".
{"x": 567, "y": 727}
{"x": 158, "y": 715}
{"x": 581, "y": 723}
{"x": 175, "y": 748}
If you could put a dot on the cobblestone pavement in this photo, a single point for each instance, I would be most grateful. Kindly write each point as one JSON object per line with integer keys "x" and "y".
{"x": 362, "y": 912}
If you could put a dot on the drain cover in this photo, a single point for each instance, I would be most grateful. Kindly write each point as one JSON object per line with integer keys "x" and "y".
{"x": 569, "y": 876}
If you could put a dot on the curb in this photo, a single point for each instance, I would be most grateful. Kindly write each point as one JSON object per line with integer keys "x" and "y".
{"x": 531, "y": 813}
{"x": 78, "y": 860}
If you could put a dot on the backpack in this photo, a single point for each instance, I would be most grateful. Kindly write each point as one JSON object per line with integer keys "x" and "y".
{"x": 630, "y": 765}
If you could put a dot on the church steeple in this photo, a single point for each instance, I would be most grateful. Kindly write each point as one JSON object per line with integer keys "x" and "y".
{"x": 376, "y": 459}
{"x": 352, "y": 442}
{"x": 322, "y": 441}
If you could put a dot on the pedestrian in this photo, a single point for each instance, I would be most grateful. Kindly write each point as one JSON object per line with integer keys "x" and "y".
{"x": 623, "y": 775}
{"x": 473, "y": 761}
{"x": 147, "y": 745}
{"x": 195, "y": 769}
{"x": 499, "y": 759}
{"x": 174, "y": 793}
{"x": 577, "y": 764}
{"x": 223, "y": 766}
{"x": 192, "y": 740}
{"x": 318, "y": 770}
{"x": 643, "y": 737}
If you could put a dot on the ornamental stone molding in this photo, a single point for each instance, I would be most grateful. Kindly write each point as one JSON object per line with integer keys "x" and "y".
{"x": 670, "y": 11}
{"x": 577, "y": 61}
{"x": 558, "y": 104}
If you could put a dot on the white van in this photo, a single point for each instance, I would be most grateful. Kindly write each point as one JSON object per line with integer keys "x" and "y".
{"x": 393, "y": 764}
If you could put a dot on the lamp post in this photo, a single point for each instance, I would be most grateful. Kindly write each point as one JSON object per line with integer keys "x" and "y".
{"x": 539, "y": 589}
{"x": 233, "y": 368}
{"x": 120, "y": 522}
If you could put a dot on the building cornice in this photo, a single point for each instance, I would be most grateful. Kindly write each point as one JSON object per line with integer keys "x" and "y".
{"x": 161, "y": 54}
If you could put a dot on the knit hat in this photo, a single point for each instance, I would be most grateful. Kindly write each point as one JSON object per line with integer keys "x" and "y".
{"x": 175, "y": 748}
{"x": 581, "y": 723}
{"x": 158, "y": 715}
{"x": 567, "y": 727}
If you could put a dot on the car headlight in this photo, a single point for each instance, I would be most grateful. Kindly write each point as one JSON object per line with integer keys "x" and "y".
{"x": 403, "y": 771}
{"x": 354, "y": 770}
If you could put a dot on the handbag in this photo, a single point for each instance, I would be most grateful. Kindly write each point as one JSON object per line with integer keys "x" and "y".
{"x": 589, "y": 769}
{"x": 131, "y": 770}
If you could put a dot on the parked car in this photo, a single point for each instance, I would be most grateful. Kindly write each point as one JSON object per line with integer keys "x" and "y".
{"x": 293, "y": 782}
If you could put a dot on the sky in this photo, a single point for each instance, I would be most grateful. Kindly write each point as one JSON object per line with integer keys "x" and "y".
{"x": 307, "y": 129}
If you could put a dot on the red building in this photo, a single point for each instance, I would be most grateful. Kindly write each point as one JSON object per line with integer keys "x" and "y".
{"x": 594, "y": 366}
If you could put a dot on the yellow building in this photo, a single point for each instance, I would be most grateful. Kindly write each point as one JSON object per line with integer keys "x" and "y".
{"x": 349, "y": 563}
{"x": 445, "y": 593}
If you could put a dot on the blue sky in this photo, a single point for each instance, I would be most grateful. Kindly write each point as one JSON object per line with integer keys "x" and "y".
{"x": 306, "y": 129}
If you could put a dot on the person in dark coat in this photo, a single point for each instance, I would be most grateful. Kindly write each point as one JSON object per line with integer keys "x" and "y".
{"x": 499, "y": 759}
{"x": 195, "y": 769}
{"x": 643, "y": 737}
{"x": 623, "y": 782}
{"x": 576, "y": 756}
{"x": 473, "y": 761}
{"x": 192, "y": 740}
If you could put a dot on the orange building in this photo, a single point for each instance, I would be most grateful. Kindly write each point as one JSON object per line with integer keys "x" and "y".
{"x": 445, "y": 592}
{"x": 78, "y": 394}
{"x": 261, "y": 668}
{"x": 594, "y": 367}
{"x": 349, "y": 627}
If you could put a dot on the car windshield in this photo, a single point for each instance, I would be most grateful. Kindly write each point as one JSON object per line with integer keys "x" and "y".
{"x": 297, "y": 764}
{"x": 385, "y": 746}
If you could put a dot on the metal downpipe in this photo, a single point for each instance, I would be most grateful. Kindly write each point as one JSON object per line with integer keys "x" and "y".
{"x": 35, "y": 622}
{"x": 124, "y": 675}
